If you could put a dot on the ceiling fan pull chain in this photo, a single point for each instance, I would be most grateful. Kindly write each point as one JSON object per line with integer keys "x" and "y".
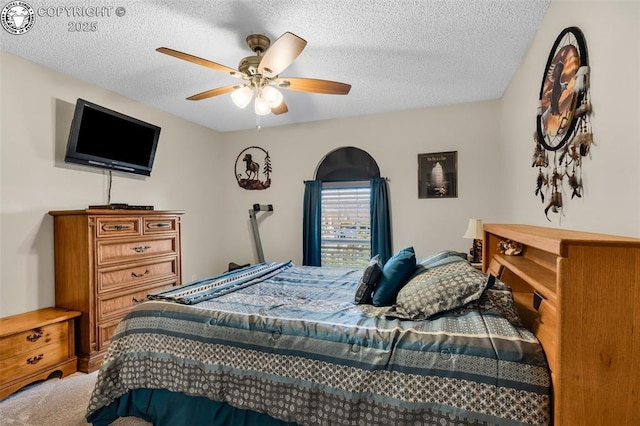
{"x": 258, "y": 126}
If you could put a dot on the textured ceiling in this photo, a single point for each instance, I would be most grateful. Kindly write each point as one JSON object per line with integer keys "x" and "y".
{"x": 397, "y": 55}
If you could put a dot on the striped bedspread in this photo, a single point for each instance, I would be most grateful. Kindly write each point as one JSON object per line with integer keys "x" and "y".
{"x": 294, "y": 346}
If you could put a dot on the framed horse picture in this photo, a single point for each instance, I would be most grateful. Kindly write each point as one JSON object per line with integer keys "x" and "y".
{"x": 253, "y": 168}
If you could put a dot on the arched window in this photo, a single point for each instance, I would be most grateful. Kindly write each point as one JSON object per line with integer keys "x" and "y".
{"x": 347, "y": 164}
{"x": 343, "y": 212}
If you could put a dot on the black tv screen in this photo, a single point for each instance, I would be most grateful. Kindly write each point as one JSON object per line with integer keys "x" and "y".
{"x": 101, "y": 137}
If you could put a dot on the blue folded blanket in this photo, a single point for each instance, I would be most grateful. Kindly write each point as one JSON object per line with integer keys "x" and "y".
{"x": 209, "y": 288}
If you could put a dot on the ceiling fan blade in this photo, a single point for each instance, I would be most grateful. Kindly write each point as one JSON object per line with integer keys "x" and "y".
{"x": 200, "y": 61}
{"x": 281, "y": 54}
{"x": 280, "y": 109}
{"x": 313, "y": 85}
{"x": 213, "y": 92}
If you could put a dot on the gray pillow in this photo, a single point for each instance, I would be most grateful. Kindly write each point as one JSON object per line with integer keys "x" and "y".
{"x": 440, "y": 289}
{"x": 440, "y": 257}
{"x": 368, "y": 281}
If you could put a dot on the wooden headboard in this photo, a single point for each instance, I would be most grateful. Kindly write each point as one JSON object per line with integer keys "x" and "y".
{"x": 579, "y": 293}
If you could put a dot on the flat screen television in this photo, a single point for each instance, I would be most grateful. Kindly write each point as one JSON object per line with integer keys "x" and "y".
{"x": 101, "y": 137}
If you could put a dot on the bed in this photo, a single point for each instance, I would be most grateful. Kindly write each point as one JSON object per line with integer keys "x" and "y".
{"x": 277, "y": 343}
{"x": 283, "y": 344}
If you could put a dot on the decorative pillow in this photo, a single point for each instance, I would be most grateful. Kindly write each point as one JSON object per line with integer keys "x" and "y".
{"x": 440, "y": 289}
{"x": 499, "y": 299}
{"x": 437, "y": 259}
{"x": 368, "y": 281}
{"x": 395, "y": 273}
{"x": 440, "y": 257}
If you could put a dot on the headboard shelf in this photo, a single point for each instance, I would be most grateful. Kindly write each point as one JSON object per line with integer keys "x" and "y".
{"x": 540, "y": 278}
{"x": 579, "y": 293}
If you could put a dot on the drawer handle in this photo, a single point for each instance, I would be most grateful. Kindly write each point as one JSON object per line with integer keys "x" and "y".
{"x": 140, "y": 249}
{"x": 134, "y": 275}
{"x": 37, "y": 334}
{"x": 158, "y": 225}
{"x": 117, "y": 227}
{"x": 537, "y": 300}
{"x": 35, "y": 359}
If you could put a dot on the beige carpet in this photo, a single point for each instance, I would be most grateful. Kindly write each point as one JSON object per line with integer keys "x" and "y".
{"x": 55, "y": 402}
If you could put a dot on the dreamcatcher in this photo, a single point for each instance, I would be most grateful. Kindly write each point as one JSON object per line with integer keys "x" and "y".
{"x": 563, "y": 129}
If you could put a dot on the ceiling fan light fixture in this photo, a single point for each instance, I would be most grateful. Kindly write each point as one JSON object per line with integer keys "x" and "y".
{"x": 242, "y": 96}
{"x": 262, "y": 106}
{"x": 260, "y": 72}
{"x": 272, "y": 96}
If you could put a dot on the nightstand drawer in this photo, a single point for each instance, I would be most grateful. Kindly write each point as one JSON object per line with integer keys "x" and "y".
{"x": 112, "y": 252}
{"x": 32, "y": 339}
{"x": 117, "y": 278}
{"x": 33, "y": 361}
{"x": 154, "y": 225}
{"x": 118, "y": 226}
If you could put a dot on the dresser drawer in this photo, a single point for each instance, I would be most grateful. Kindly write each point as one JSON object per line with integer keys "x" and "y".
{"x": 120, "y": 251}
{"x": 34, "y": 360}
{"x": 117, "y": 278}
{"x": 119, "y": 305}
{"x": 155, "y": 225}
{"x": 105, "y": 333}
{"x": 32, "y": 339}
{"x": 118, "y": 226}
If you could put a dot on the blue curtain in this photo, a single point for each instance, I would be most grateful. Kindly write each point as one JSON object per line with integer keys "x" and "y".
{"x": 380, "y": 220}
{"x": 312, "y": 223}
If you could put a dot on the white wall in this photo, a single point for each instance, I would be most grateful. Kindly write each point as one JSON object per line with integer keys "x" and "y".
{"x": 194, "y": 165}
{"x": 394, "y": 140}
{"x": 37, "y": 107}
{"x": 611, "y": 200}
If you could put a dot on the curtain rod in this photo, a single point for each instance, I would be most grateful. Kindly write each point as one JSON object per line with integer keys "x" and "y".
{"x": 385, "y": 178}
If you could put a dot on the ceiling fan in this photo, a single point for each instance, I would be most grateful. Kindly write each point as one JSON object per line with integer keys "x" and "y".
{"x": 260, "y": 74}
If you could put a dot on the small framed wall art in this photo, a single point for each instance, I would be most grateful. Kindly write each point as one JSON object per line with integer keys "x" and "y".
{"x": 438, "y": 175}
{"x": 251, "y": 165}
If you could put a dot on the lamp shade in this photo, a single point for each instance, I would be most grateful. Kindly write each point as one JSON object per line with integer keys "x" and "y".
{"x": 272, "y": 96}
{"x": 474, "y": 230}
{"x": 261, "y": 105}
{"x": 242, "y": 96}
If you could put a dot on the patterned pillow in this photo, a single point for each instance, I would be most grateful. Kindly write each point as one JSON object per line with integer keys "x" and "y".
{"x": 368, "y": 281}
{"x": 440, "y": 257}
{"x": 395, "y": 274}
{"x": 440, "y": 289}
{"x": 437, "y": 259}
{"x": 499, "y": 300}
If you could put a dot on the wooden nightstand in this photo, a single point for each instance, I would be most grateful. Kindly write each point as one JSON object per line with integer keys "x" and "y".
{"x": 34, "y": 345}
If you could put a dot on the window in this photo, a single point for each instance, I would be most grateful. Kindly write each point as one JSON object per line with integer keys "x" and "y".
{"x": 346, "y": 227}
{"x": 338, "y": 227}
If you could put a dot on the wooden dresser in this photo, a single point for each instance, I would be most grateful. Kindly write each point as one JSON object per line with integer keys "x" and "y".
{"x": 107, "y": 261}
{"x": 34, "y": 345}
{"x": 579, "y": 292}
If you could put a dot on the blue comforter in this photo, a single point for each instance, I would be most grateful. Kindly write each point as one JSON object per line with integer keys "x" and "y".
{"x": 290, "y": 343}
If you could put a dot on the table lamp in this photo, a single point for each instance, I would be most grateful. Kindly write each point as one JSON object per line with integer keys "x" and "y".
{"x": 474, "y": 230}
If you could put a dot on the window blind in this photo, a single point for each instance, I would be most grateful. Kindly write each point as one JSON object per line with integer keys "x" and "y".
{"x": 346, "y": 227}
